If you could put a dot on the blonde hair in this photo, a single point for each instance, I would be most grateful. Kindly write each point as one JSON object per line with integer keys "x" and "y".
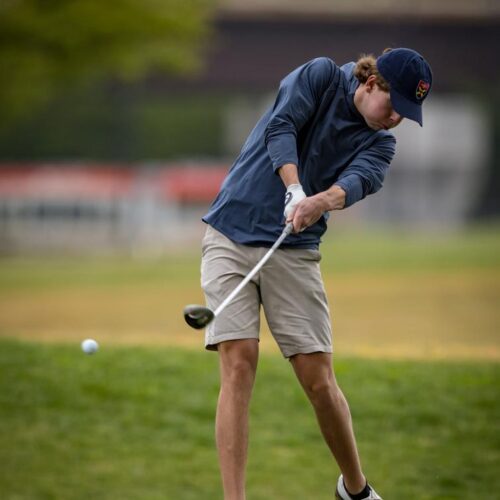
{"x": 366, "y": 66}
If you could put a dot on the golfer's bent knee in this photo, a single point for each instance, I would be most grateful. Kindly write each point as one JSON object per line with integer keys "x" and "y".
{"x": 319, "y": 388}
{"x": 324, "y": 392}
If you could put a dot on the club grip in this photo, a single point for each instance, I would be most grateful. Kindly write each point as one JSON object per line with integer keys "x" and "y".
{"x": 288, "y": 228}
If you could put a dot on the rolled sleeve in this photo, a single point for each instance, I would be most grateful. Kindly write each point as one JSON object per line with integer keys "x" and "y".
{"x": 283, "y": 148}
{"x": 365, "y": 175}
{"x": 353, "y": 187}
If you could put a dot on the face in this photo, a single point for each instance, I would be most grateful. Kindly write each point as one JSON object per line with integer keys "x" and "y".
{"x": 377, "y": 109}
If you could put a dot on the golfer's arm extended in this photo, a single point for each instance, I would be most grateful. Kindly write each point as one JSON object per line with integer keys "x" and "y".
{"x": 331, "y": 199}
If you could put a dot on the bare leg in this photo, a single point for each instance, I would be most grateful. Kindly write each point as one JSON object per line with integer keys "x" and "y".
{"x": 316, "y": 376}
{"x": 238, "y": 365}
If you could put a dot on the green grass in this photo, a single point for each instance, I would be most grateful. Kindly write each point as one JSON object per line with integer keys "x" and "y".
{"x": 343, "y": 251}
{"x": 391, "y": 294}
{"x": 35, "y": 273}
{"x": 383, "y": 250}
{"x": 137, "y": 423}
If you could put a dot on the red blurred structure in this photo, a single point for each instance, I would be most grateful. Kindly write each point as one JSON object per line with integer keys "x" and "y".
{"x": 84, "y": 207}
{"x": 186, "y": 183}
{"x": 192, "y": 184}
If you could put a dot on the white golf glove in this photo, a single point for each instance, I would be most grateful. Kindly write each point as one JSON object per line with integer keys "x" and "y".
{"x": 294, "y": 195}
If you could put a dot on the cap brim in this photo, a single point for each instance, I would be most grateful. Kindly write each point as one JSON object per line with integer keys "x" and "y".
{"x": 406, "y": 108}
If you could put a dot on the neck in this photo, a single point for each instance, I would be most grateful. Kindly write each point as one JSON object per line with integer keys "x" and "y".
{"x": 358, "y": 98}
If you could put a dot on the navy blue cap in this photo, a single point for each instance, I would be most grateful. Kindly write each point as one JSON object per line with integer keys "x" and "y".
{"x": 410, "y": 79}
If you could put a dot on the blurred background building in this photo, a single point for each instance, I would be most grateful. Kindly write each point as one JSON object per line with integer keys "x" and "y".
{"x": 130, "y": 165}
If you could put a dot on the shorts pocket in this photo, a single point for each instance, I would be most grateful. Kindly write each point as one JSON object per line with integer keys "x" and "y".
{"x": 310, "y": 255}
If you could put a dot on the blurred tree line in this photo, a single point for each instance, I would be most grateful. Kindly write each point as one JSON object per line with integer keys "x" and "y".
{"x": 65, "y": 65}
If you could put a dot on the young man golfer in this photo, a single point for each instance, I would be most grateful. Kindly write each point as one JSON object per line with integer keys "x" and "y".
{"x": 324, "y": 145}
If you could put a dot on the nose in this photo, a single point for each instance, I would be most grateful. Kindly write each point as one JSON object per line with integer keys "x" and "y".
{"x": 395, "y": 118}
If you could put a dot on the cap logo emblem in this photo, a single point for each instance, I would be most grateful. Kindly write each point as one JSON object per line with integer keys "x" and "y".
{"x": 422, "y": 89}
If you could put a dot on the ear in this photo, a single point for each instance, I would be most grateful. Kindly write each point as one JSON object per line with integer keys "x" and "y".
{"x": 370, "y": 83}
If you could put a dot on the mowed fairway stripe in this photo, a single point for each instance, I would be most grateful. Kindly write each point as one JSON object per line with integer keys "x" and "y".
{"x": 436, "y": 314}
{"x": 417, "y": 315}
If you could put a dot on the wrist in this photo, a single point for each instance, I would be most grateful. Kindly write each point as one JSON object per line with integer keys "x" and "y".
{"x": 289, "y": 174}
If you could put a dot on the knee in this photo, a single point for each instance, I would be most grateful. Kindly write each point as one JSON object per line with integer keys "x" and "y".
{"x": 318, "y": 388}
{"x": 324, "y": 391}
{"x": 239, "y": 373}
{"x": 238, "y": 362}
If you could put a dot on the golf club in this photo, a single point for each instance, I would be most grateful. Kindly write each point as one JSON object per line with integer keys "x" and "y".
{"x": 199, "y": 317}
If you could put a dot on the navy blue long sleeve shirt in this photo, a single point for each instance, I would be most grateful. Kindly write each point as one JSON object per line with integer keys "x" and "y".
{"x": 314, "y": 125}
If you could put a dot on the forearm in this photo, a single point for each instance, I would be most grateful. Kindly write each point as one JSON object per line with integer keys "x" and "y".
{"x": 308, "y": 210}
{"x": 333, "y": 198}
{"x": 289, "y": 174}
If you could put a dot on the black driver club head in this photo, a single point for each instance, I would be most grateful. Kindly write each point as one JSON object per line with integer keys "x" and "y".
{"x": 198, "y": 316}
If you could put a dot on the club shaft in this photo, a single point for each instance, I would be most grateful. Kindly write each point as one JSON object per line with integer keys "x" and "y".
{"x": 256, "y": 269}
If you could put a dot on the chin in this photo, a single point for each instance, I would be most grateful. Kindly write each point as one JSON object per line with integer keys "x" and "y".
{"x": 375, "y": 126}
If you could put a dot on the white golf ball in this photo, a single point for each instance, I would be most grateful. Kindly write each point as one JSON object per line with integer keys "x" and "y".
{"x": 89, "y": 346}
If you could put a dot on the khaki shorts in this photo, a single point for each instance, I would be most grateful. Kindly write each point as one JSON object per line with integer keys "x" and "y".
{"x": 289, "y": 287}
